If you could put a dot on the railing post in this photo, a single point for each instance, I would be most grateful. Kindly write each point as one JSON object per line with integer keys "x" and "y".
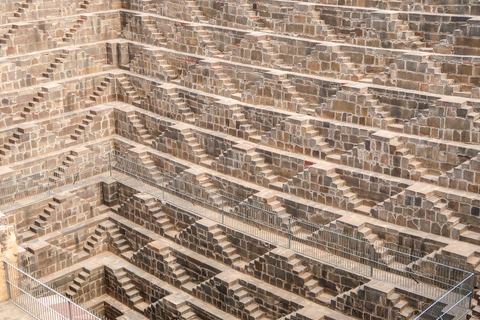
{"x": 70, "y": 310}
{"x": 223, "y": 214}
{"x": 5, "y": 265}
{"x": 48, "y": 183}
{"x": 110, "y": 164}
{"x": 372, "y": 258}
{"x": 472, "y": 283}
{"x": 289, "y": 233}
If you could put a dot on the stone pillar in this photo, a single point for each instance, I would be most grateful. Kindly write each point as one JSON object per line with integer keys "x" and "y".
{"x": 123, "y": 53}
{"x": 112, "y": 53}
{"x": 110, "y": 192}
{"x": 8, "y": 251}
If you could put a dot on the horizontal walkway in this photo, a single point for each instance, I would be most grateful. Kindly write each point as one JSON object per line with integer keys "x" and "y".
{"x": 9, "y": 311}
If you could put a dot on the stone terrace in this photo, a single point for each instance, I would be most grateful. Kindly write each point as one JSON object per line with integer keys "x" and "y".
{"x": 360, "y": 117}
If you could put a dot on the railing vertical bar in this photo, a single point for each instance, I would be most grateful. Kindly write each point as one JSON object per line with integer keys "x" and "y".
{"x": 9, "y": 293}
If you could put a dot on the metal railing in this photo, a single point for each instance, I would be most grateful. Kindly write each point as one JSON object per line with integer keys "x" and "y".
{"x": 351, "y": 253}
{"x": 28, "y": 189}
{"x": 41, "y": 301}
{"x": 455, "y": 304}
{"x": 451, "y": 286}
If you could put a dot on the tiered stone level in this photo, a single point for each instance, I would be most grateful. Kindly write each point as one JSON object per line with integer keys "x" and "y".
{"x": 361, "y": 117}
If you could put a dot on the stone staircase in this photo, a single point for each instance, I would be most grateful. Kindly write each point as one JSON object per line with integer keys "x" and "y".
{"x": 83, "y": 8}
{"x": 469, "y": 113}
{"x": 405, "y": 35}
{"x": 353, "y": 202}
{"x": 253, "y": 20}
{"x": 135, "y": 300}
{"x": 225, "y": 85}
{"x": 13, "y": 143}
{"x": 99, "y": 95}
{"x": 470, "y": 234}
{"x": 119, "y": 242}
{"x": 82, "y": 129}
{"x": 270, "y": 54}
{"x": 296, "y": 134}
{"x": 432, "y": 79}
{"x": 62, "y": 170}
{"x": 268, "y": 200}
{"x": 195, "y": 12}
{"x": 246, "y": 130}
{"x": 252, "y": 164}
{"x": 186, "y": 312}
{"x": 294, "y": 271}
{"x": 152, "y": 171}
{"x": 166, "y": 68}
{"x": 177, "y": 306}
{"x": 165, "y": 226}
{"x": 37, "y": 229}
{"x": 74, "y": 290}
{"x": 196, "y": 150}
{"x": 442, "y": 213}
{"x": 21, "y": 13}
{"x": 398, "y": 149}
{"x": 291, "y": 99}
{"x": 439, "y": 81}
{"x": 337, "y": 63}
{"x": 263, "y": 171}
{"x": 176, "y": 270}
{"x": 56, "y": 66}
{"x": 186, "y": 114}
{"x": 207, "y": 43}
{"x": 323, "y": 31}
{"x": 215, "y": 246}
{"x": 72, "y": 32}
{"x": 7, "y": 39}
{"x": 129, "y": 93}
{"x": 37, "y": 101}
{"x": 347, "y": 68}
{"x": 167, "y": 266}
{"x": 226, "y": 252}
{"x": 380, "y": 114}
{"x": 213, "y": 194}
{"x": 381, "y": 252}
{"x": 396, "y": 304}
{"x": 247, "y": 303}
{"x": 139, "y": 128}
{"x": 157, "y": 38}
{"x": 93, "y": 245}
{"x": 304, "y": 279}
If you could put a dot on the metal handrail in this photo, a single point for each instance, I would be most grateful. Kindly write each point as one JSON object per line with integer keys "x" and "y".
{"x": 468, "y": 295}
{"x": 59, "y": 298}
{"x": 361, "y": 242}
{"x": 361, "y": 248}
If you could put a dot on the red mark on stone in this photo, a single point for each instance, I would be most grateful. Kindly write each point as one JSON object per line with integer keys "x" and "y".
{"x": 308, "y": 163}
